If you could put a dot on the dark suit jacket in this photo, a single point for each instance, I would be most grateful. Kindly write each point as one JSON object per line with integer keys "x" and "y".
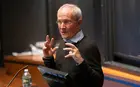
{"x": 88, "y": 73}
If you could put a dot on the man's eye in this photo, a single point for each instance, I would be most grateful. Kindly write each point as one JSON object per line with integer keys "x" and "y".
{"x": 66, "y": 21}
{"x": 58, "y": 22}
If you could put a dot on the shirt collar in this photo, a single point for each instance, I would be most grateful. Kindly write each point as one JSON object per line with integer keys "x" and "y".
{"x": 79, "y": 36}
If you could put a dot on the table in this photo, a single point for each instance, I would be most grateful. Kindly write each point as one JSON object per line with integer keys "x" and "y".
{"x": 13, "y": 63}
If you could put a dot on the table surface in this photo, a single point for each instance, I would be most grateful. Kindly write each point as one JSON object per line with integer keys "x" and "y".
{"x": 17, "y": 82}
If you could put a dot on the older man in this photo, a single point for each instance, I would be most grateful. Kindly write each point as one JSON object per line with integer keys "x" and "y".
{"x": 77, "y": 54}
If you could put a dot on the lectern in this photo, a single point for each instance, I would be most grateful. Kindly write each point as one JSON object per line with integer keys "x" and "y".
{"x": 53, "y": 77}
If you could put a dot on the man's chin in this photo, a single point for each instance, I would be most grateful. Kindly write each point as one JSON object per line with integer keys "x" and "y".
{"x": 64, "y": 37}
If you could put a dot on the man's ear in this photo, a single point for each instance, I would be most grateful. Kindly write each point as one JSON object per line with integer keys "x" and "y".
{"x": 80, "y": 21}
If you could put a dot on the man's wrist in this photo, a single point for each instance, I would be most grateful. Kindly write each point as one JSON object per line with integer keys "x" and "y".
{"x": 80, "y": 61}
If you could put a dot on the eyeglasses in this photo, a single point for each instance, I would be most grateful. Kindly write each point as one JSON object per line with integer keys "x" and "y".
{"x": 66, "y": 22}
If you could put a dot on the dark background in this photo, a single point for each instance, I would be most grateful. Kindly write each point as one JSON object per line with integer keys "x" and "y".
{"x": 127, "y": 32}
{"x": 28, "y": 21}
{"x": 24, "y": 23}
{"x": 114, "y": 24}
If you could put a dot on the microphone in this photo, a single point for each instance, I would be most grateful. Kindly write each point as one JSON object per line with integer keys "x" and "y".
{"x": 16, "y": 75}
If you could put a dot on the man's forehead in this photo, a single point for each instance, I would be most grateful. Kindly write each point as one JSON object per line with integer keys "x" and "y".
{"x": 65, "y": 8}
{"x": 66, "y": 11}
{"x": 64, "y": 14}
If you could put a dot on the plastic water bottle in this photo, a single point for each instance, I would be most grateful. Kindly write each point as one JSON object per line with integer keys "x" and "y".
{"x": 26, "y": 79}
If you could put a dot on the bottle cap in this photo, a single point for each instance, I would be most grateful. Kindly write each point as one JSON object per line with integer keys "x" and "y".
{"x": 25, "y": 70}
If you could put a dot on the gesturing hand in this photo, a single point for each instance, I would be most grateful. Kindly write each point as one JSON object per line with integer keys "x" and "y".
{"x": 47, "y": 49}
{"x": 73, "y": 52}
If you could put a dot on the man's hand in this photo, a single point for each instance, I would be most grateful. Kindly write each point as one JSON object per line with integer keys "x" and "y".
{"x": 47, "y": 49}
{"x": 73, "y": 52}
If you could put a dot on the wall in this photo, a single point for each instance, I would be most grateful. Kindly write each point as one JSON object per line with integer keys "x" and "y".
{"x": 24, "y": 23}
{"x": 28, "y": 21}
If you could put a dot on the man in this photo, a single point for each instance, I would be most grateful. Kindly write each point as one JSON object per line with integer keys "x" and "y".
{"x": 82, "y": 61}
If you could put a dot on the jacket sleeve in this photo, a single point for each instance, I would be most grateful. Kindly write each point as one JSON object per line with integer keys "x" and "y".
{"x": 91, "y": 67}
{"x": 49, "y": 62}
{"x": 95, "y": 76}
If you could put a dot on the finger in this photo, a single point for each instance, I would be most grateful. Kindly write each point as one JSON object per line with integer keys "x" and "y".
{"x": 52, "y": 42}
{"x": 45, "y": 51}
{"x": 70, "y": 52}
{"x": 47, "y": 38}
{"x": 68, "y": 49}
{"x": 45, "y": 48}
{"x": 54, "y": 49}
{"x": 48, "y": 41}
{"x": 69, "y": 55}
{"x": 70, "y": 45}
{"x": 46, "y": 44}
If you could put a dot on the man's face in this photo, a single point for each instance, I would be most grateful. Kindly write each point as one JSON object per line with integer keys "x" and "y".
{"x": 67, "y": 24}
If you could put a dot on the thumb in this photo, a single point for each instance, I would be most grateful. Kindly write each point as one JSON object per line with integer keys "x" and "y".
{"x": 54, "y": 49}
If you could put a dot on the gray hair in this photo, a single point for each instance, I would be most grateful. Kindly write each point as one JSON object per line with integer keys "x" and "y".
{"x": 77, "y": 13}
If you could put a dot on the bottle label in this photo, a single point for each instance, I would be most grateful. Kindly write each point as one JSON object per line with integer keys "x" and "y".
{"x": 26, "y": 80}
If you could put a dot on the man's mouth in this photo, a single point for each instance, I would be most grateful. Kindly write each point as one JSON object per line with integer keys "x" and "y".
{"x": 63, "y": 32}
